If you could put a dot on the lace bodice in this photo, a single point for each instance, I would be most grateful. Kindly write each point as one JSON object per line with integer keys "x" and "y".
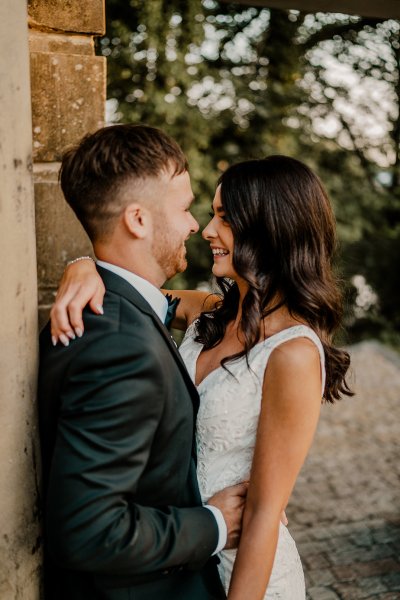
{"x": 227, "y": 420}
{"x": 229, "y": 409}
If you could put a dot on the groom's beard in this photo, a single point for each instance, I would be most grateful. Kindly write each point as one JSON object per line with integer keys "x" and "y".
{"x": 168, "y": 248}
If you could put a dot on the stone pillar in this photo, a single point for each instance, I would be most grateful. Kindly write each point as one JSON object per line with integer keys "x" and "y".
{"x": 19, "y": 529}
{"x": 68, "y": 100}
{"x": 67, "y": 96}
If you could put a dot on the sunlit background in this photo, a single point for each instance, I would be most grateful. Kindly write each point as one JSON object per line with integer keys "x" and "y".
{"x": 232, "y": 82}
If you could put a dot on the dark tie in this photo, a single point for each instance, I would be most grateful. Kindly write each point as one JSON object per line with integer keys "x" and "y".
{"x": 172, "y": 306}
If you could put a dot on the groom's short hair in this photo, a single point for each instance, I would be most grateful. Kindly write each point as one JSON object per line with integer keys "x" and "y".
{"x": 94, "y": 174}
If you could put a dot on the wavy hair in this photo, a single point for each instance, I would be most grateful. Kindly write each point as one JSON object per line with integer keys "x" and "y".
{"x": 284, "y": 243}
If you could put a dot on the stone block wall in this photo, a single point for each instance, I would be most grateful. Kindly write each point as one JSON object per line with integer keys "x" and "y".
{"x": 50, "y": 95}
{"x": 20, "y": 544}
{"x": 68, "y": 88}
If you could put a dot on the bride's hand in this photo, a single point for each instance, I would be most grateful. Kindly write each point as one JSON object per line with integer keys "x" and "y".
{"x": 80, "y": 285}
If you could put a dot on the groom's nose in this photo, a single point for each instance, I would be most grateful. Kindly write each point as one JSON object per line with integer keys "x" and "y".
{"x": 194, "y": 225}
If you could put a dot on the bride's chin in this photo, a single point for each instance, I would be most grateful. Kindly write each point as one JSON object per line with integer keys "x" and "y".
{"x": 219, "y": 273}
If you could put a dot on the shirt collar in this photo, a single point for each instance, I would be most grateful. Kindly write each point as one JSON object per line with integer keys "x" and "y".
{"x": 150, "y": 292}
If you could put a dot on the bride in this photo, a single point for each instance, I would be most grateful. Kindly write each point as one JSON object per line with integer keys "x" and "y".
{"x": 260, "y": 354}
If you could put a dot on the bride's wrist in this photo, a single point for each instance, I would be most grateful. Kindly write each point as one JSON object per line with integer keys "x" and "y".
{"x": 75, "y": 260}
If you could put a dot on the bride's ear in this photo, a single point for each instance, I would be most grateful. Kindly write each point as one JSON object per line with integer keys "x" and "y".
{"x": 137, "y": 220}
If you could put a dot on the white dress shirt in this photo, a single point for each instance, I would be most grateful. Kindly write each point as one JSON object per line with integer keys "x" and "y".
{"x": 150, "y": 292}
{"x": 159, "y": 304}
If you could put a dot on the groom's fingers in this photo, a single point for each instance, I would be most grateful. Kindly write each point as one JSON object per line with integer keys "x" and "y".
{"x": 240, "y": 489}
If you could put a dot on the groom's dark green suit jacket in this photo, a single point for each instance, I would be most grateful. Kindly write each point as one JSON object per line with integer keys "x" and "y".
{"x": 123, "y": 514}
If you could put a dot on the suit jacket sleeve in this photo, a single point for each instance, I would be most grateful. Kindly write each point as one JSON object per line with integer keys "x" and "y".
{"x": 111, "y": 406}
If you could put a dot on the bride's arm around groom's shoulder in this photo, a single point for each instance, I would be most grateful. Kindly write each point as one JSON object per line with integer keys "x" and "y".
{"x": 81, "y": 285}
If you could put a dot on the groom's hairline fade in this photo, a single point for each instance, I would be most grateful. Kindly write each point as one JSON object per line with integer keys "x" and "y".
{"x": 94, "y": 172}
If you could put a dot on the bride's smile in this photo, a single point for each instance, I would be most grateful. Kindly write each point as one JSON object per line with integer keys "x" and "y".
{"x": 219, "y": 233}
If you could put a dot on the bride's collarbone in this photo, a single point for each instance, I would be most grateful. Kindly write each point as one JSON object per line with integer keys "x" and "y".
{"x": 209, "y": 360}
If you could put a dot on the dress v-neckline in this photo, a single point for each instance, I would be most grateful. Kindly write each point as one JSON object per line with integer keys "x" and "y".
{"x": 197, "y": 356}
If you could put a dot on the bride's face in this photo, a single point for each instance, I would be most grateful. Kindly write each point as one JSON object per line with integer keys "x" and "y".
{"x": 219, "y": 234}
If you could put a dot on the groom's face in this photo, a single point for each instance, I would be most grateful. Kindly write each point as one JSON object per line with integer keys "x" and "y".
{"x": 173, "y": 222}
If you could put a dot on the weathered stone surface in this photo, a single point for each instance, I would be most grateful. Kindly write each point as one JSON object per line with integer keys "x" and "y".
{"x": 68, "y": 93}
{"x": 68, "y": 99}
{"x": 60, "y": 236}
{"x": 344, "y": 510}
{"x": 60, "y": 43}
{"x": 19, "y": 517}
{"x": 86, "y": 16}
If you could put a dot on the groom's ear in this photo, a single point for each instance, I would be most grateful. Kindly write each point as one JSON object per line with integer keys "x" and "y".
{"x": 137, "y": 220}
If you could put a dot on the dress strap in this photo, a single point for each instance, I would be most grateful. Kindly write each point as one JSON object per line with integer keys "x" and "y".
{"x": 266, "y": 347}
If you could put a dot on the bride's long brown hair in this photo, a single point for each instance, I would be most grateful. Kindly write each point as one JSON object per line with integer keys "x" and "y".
{"x": 284, "y": 242}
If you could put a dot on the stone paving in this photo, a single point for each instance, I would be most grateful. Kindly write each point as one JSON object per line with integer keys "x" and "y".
{"x": 345, "y": 510}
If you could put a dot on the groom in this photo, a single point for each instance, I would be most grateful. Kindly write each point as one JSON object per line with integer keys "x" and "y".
{"x": 123, "y": 513}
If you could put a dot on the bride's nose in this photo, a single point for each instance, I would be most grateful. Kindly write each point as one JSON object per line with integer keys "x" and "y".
{"x": 209, "y": 232}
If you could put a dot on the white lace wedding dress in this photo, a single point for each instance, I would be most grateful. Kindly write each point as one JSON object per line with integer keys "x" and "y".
{"x": 226, "y": 432}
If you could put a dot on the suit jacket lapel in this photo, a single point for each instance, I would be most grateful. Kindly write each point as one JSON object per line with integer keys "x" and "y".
{"x": 119, "y": 285}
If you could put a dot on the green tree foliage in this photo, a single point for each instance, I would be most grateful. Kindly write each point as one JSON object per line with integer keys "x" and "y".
{"x": 357, "y": 90}
{"x": 232, "y": 82}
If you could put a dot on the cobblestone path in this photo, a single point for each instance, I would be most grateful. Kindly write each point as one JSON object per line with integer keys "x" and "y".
{"x": 345, "y": 510}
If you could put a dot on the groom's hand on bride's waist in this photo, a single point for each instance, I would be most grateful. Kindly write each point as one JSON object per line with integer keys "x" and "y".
{"x": 230, "y": 502}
